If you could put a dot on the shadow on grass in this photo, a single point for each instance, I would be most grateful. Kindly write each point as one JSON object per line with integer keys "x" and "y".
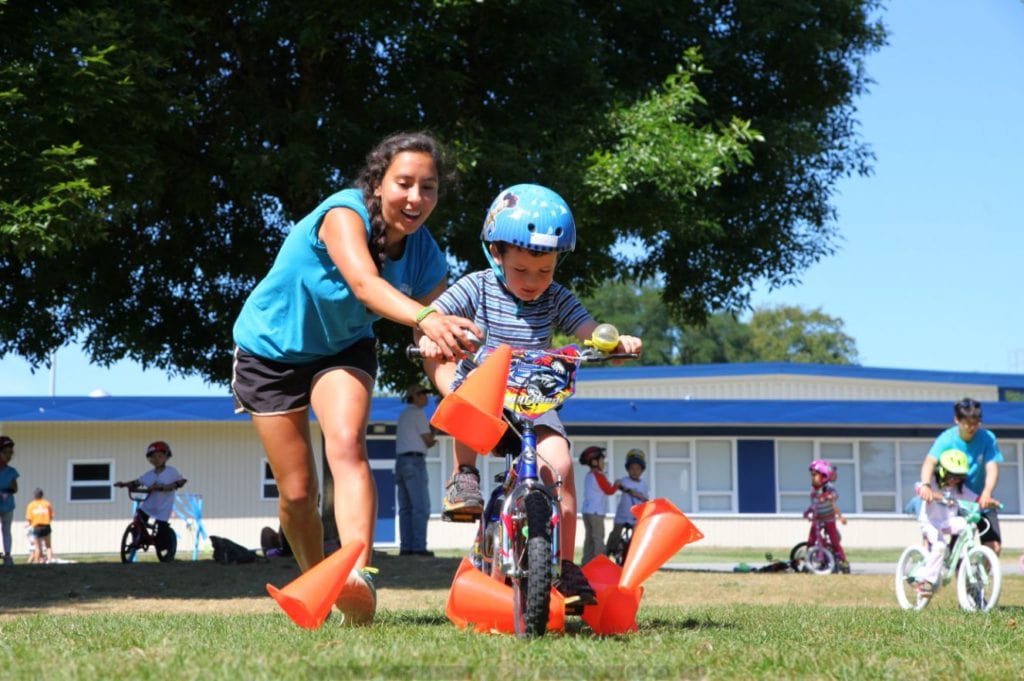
{"x": 27, "y": 587}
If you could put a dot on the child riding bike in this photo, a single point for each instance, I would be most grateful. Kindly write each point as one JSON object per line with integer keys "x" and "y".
{"x": 526, "y": 229}
{"x": 824, "y": 510}
{"x": 940, "y": 521}
{"x": 634, "y": 491}
{"x": 162, "y": 482}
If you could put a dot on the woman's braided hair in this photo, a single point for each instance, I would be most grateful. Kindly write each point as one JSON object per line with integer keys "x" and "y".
{"x": 372, "y": 175}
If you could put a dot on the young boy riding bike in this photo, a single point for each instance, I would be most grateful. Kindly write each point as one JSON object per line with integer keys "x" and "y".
{"x": 518, "y": 302}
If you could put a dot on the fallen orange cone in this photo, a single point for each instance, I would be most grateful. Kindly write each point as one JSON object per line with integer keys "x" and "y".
{"x": 307, "y": 599}
{"x": 488, "y": 606}
{"x": 661, "y": 530}
{"x": 616, "y": 607}
{"x": 472, "y": 413}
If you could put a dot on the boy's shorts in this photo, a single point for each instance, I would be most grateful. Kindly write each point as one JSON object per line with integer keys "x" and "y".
{"x": 266, "y": 387}
{"x": 511, "y": 443}
{"x": 40, "y": 531}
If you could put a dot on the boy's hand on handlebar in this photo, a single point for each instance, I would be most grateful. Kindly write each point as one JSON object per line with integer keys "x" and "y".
{"x": 628, "y": 345}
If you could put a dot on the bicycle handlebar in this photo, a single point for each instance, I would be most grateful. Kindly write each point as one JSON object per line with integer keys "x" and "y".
{"x": 586, "y": 356}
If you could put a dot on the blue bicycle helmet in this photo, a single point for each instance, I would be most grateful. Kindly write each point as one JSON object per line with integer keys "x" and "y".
{"x": 532, "y": 217}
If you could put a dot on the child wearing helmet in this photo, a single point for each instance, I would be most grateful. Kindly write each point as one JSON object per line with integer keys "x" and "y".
{"x": 595, "y": 488}
{"x": 939, "y": 518}
{"x": 634, "y": 491}
{"x": 162, "y": 481}
{"x": 517, "y": 301}
{"x": 824, "y": 509}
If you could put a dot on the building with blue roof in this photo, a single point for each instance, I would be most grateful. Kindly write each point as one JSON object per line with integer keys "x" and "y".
{"x": 728, "y": 444}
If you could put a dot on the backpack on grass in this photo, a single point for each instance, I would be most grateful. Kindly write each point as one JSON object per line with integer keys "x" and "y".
{"x": 227, "y": 552}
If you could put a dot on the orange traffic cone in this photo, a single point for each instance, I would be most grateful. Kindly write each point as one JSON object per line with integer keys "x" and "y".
{"x": 487, "y": 605}
{"x": 472, "y": 413}
{"x": 661, "y": 530}
{"x": 308, "y": 598}
{"x": 616, "y": 607}
{"x": 615, "y": 611}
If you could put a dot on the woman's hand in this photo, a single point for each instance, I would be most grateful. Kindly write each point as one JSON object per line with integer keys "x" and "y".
{"x": 449, "y": 335}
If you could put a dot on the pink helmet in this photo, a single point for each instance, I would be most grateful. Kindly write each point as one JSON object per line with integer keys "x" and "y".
{"x": 826, "y": 469}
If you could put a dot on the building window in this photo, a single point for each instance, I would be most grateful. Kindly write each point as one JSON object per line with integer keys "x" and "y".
{"x": 911, "y": 457}
{"x": 715, "y": 476}
{"x": 675, "y": 474}
{"x": 794, "y": 480}
{"x": 267, "y": 484}
{"x": 90, "y": 481}
{"x": 1008, "y": 487}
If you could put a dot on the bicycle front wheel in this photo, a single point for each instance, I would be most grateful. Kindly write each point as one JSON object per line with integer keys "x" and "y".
{"x": 534, "y": 592}
{"x": 129, "y": 544}
{"x": 979, "y": 580}
{"x": 908, "y": 571}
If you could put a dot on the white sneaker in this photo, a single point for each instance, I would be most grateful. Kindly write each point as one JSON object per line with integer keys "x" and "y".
{"x": 358, "y": 600}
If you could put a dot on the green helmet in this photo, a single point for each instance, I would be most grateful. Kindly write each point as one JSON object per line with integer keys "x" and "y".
{"x": 951, "y": 462}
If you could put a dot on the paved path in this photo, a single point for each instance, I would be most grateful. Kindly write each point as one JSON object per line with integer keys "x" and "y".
{"x": 855, "y": 568}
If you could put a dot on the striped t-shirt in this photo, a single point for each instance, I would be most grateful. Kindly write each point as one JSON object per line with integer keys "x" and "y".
{"x": 527, "y": 325}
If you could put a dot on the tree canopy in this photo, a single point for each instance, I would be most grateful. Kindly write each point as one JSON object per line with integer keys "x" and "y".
{"x": 784, "y": 333}
{"x": 155, "y": 153}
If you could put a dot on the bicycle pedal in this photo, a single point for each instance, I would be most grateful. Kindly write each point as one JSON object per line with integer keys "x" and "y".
{"x": 573, "y": 606}
{"x": 461, "y": 516}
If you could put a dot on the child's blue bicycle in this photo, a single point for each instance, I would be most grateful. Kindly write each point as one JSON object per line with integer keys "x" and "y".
{"x": 979, "y": 577}
{"x": 518, "y": 536}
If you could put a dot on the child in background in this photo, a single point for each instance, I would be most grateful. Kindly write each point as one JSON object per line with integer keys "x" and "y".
{"x": 634, "y": 491}
{"x": 8, "y": 487}
{"x": 939, "y": 519}
{"x": 517, "y": 300}
{"x": 39, "y": 516}
{"x": 162, "y": 482}
{"x": 824, "y": 509}
{"x": 595, "y": 488}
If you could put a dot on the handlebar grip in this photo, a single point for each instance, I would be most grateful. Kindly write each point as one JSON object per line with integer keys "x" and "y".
{"x": 413, "y": 352}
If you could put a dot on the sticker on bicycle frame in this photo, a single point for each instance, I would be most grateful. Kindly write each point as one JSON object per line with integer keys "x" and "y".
{"x": 540, "y": 380}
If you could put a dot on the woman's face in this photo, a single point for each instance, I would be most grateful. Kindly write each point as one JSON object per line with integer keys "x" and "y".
{"x": 408, "y": 193}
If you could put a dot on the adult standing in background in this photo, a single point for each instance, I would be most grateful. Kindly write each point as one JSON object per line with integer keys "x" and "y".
{"x": 413, "y": 438}
{"x": 983, "y": 455}
{"x": 8, "y": 487}
{"x": 304, "y": 339}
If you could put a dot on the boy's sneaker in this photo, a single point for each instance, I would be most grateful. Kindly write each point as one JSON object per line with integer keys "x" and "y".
{"x": 358, "y": 599}
{"x": 462, "y": 501}
{"x": 574, "y": 583}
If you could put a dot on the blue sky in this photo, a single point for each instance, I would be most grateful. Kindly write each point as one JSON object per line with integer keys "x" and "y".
{"x": 929, "y": 266}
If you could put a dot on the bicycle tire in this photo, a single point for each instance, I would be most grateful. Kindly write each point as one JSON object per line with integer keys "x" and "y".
{"x": 798, "y": 557}
{"x": 909, "y": 565}
{"x": 979, "y": 580}
{"x": 535, "y": 587}
{"x": 129, "y": 544}
{"x": 166, "y": 544}
{"x": 820, "y": 560}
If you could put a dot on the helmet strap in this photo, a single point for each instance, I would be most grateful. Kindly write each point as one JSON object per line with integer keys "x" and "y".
{"x": 499, "y": 272}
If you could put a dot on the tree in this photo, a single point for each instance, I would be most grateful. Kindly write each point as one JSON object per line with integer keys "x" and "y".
{"x": 156, "y": 153}
{"x": 790, "y": 334}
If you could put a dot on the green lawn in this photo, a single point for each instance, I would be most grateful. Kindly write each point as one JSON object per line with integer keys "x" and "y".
{"x": 691, "y": 625}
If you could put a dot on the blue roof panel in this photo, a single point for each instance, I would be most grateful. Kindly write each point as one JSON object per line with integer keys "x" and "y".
{"x": 576, "y": 411}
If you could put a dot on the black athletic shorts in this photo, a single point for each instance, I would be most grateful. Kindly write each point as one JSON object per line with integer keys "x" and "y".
{"x": 265, "y": 387}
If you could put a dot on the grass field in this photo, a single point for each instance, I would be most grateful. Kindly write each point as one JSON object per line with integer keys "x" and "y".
{"x": 201, "y": 620}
